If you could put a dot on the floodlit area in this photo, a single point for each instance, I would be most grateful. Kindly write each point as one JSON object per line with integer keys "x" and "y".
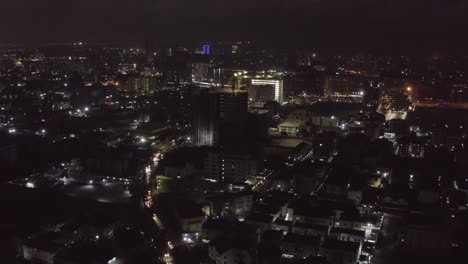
{"x": 103, "y": 189}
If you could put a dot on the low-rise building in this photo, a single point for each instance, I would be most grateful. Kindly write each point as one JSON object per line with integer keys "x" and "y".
{"x": 300, "y": 246}
{"x": 190, "y": 219}
{"x": 43, "y": 248}
{"x": 238, "y": 204}
{"x": 340, "y": 252}
{"x": 345, "y": 234}
{"x": 290, "y": 126}
{"x": 308, "y": 229}
{"x": 282, "y": 225}
{"x": 229, "y": 251}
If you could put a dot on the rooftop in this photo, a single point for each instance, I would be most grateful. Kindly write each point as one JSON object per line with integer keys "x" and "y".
{"x": 272, "y": 235}
{"x": 301, "y": 239}
{"x": 334, "y": 244}
{"x": 339, "y": 230}
{"x": 311, "y": 226}
{"x": 224, "y": 244}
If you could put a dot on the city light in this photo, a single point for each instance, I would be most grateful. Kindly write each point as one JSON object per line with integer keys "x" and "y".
{"x": 232, "y": 136}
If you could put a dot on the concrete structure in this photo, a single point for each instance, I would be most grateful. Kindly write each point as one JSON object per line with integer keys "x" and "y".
{"x": 341, "y": 85}
{"x": 290, "y": 126}
{"x": 340, "y": 252}
{"x": 267, "y": 89}
{"x": 141, "y": 84}
{"x": 231, "y": 166}
{"x": 190, "y": 218}
{"x": 200, "y": 71}
{"x": 344, "y": 234}
{"x": 238, "y": 204}
{"x": 227, "y": 251}
{"x": 219, "y": 117}
{"x": 308, "y": 229}
{"x": 300, "y": 246}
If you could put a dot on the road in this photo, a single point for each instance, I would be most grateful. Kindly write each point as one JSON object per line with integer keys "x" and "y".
{"x": 442, "y": 105}
{"x": 263, "y": 185}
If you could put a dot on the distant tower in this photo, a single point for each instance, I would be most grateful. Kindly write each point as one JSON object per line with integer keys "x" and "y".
{"x": 206, "y": 49}
{"x": 220, "y": 117}
{"x": 148, "y": 52}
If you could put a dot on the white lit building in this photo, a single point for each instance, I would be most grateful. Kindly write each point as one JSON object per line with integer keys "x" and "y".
{"x": 275, "y": 84}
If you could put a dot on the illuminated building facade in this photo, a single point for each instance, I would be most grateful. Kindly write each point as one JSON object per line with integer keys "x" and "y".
{"x": 267, "y": 89}
{"x": 141, "y": 84}
{"x": 206, "y": 50}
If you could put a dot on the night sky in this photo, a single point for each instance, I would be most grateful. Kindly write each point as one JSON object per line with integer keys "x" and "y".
{"x": 353, "y": 24}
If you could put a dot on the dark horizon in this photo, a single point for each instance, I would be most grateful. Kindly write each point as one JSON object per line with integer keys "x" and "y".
{"x": 368, "y": 26}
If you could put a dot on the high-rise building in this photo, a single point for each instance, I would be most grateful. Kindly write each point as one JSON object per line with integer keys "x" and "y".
{"x": 206, "y": 49}
{"x": 267, "y": 89}
{"x": 141, "y": 84}
{"x": 200, "y": 71}
{"x": 231, "y": 165}
{"x": 220, "y": 117}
